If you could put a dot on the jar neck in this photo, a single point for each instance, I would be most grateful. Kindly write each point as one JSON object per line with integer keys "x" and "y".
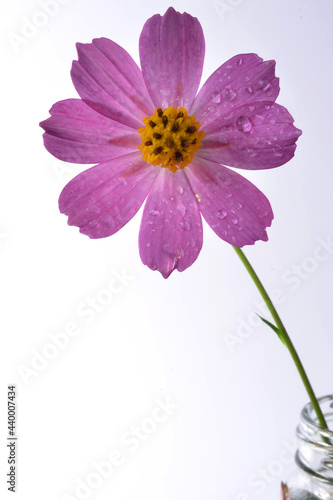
{"x": 315, "y": 453}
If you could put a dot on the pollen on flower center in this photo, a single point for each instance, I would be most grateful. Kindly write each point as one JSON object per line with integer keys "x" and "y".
{"x": 170, "y": 138}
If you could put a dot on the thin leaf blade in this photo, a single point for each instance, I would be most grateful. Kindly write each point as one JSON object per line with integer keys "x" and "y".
{"x": 273, "y": 327}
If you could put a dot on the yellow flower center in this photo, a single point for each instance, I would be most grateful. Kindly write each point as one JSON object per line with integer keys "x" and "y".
{"x": 170, "y": 138}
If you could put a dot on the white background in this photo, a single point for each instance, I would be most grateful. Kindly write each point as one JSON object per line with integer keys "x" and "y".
{"x": 237, "y": 406}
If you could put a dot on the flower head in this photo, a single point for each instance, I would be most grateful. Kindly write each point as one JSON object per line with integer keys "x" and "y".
{"x": 155, "y": 139}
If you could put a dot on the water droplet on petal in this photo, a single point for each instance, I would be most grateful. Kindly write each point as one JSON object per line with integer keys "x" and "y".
{"x": 238, "y": 206}
{"x": 122, "y": 181}
{"x": 147, "y": 245}
{"x": 181, "y": 209}
{"x": 251, "y": 109}
{"x": 243, "y": 124}
{"x": 154, "y": 212}
{"x": 240, "y": 61}
{"x": 198, "y": 197}
{"x": 249, "y": 89}
{"x": 216, "y": 97}
{"x": 229, "y": 94}
{"x": 278, "y": 154}
{"x": 264, "y": 85}
{"x": 267, "y": 106}
{"x": 180, "y": 190}
{"x": 229, "y": 117}
{"x": 234, "y": 221}
{"x": 221, "y": 214}
{"x": 185, "y": 225}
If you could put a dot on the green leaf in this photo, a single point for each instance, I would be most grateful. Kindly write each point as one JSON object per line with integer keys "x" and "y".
{"x": 273, "y": 327}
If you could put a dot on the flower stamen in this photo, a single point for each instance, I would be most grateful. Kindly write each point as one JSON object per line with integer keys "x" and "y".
{"x": 175, "y": 127}
{"x": 157, "y": 151}
{"x": 170, "y": 144}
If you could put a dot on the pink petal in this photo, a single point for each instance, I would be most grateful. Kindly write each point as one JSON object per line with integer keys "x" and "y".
{"x": 233, "y": 207}
{"x": 78, "y": 134}
{"x": 102, "y": 199}
{"x": 172, "y": 49}
{"x": 171, "y": 229}
{"x": 107, "y": 78}
{"x": 255, "y": 136}
{"x": 243, "y": 79}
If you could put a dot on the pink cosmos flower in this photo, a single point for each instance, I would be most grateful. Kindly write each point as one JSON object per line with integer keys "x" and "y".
{"x": 155, "y": 139}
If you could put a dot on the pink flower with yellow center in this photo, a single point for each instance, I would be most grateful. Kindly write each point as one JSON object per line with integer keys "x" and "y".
{"x": 155, "y": 139}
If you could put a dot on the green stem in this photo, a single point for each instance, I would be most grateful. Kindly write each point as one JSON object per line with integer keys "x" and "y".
{"x": 286, "y": 339}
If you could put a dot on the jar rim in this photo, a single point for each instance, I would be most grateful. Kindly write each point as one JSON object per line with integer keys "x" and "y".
{"x": 308, "y": 416}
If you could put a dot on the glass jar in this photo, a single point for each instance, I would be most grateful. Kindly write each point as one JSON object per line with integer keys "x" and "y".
{"x": 313, "y": 479}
